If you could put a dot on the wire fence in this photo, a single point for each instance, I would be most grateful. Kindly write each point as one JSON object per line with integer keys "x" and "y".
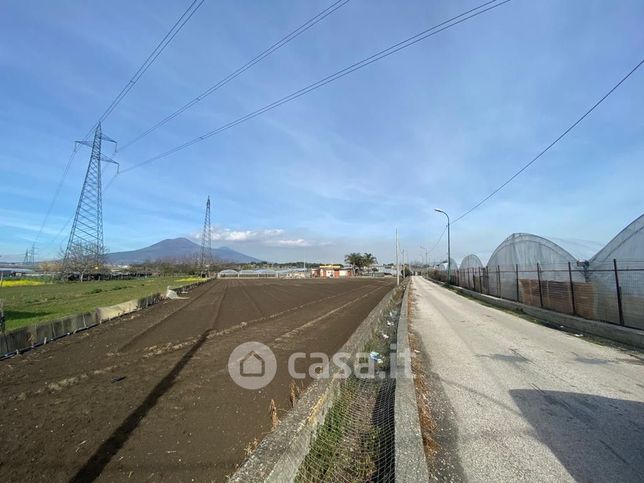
{"x": 611, "y": 292}
{"x": 356, "y": 442}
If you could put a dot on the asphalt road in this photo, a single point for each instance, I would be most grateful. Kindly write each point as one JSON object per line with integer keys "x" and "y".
{"x": 520, "y": 401}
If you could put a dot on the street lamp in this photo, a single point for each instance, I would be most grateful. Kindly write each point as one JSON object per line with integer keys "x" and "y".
{"x": 449, "y": 256}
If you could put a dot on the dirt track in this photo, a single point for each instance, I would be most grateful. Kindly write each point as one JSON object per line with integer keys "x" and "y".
{"x": 148, "y": 397}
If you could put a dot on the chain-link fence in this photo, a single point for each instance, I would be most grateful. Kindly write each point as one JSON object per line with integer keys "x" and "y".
{"x": 610, "y": 292}
{"x": 356, "y": 442}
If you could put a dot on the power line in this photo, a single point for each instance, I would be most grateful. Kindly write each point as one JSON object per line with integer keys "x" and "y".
{"x": 438, "y": 241}
{"x": 559, "y": 138}
{"x": 258, "y": 58}
{"x": 485, "y": 7}
{"x": 178, "y": 25}
{"x": 172, "y": 33}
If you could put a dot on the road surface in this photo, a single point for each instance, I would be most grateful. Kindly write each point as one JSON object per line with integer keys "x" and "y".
{"x": 517, "y": 401}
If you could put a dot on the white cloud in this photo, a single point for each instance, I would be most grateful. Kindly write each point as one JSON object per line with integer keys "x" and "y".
{"x": 299, "y": 242}
{"x": 227, "y": 234}
{"x": 272, "y": 237}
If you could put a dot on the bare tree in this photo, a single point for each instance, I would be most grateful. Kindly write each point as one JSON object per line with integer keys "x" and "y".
{"x": 82, "y": 260}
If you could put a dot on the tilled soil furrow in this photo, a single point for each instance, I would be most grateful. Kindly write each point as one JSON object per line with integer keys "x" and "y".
{"x": 170, "y": 410}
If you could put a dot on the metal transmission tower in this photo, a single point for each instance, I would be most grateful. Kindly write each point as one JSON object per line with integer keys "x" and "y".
{"x": 30, "y": 255}
{"x": 206, "y": 241}
{"x": 85, "y": 250}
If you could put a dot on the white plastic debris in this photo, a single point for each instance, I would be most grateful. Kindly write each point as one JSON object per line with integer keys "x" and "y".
{"x": 172, "y": 295}
{"x": 375, "y": 356}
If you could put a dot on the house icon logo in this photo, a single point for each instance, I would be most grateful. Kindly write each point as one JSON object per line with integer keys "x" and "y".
{"x": 252, "y": 365}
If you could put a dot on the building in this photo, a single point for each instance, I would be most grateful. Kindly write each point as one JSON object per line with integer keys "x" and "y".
{"x": 331, "y": 271}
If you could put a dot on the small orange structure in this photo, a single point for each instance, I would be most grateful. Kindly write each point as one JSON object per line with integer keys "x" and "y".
{"x": 331, "y": 271}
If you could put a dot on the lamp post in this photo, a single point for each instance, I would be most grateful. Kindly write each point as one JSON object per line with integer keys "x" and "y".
{"x": 449, "y": 256}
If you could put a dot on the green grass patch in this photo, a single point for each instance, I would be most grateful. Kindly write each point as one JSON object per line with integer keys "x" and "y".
{"x": 30, "y": 304}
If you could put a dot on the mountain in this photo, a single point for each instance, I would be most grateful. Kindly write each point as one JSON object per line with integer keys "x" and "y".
{"x": 175, "y": 249}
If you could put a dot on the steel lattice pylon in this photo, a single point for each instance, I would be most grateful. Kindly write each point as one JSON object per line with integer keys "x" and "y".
{"x": 206, "y": 241}
{"x": 85, "y": 250}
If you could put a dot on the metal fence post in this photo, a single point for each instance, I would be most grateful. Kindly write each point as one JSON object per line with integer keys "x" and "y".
{"x": 539, "y": 279}
{"x": 517, "y": 275}
{"x": 619, "y": 293}
{"x": 498, "y": 281}
{"x": 572, "y": 290}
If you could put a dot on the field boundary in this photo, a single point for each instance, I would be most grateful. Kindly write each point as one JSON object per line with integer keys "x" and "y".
{"x": 410, "y": 461}
{"x": 35, "y": 335}
{"x": 279, "y": 456}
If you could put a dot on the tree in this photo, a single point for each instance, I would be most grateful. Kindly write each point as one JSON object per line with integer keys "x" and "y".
{"x": 82, "y": 260}
{"x": 50, "y": 266}
{"x": 369, "y": 260}
{"x": 355, "y": 259}
{"x": 360, "y": 261}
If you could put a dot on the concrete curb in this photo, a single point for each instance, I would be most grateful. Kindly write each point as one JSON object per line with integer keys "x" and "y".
{"x": 617, "y": 333}
{"x": 411, "y": 464}
{"x": 280, "y": 454}
{"x": 33, "y": 336}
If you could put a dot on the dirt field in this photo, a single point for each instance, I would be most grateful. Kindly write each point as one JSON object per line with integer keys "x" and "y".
{"x": 148, "y": 397}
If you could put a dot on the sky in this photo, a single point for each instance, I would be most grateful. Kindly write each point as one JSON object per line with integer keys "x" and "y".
{"x": 439, "y": 124}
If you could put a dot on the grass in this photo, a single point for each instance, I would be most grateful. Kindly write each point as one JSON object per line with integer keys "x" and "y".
{"x": 29, "y": 303}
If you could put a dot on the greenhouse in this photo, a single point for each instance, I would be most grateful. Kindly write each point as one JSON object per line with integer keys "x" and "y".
{"x": 228, "y": 274}
{"x": 470, "y": 269}
{"x": 620, "y": 263}
{"x": 259, "y": 273}
{"x": 537, "y": 271}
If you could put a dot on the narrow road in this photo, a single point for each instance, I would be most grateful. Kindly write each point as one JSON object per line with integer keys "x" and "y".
{"x": 519, "y": 401}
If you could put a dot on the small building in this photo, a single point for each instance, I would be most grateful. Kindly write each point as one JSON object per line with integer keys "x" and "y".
{"x": 332, "y": 271}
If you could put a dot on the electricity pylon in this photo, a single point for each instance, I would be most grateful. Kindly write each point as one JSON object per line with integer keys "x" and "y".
{"x": 30, "y": 255}
{"x": 85, "y": 250}
{"x": 206, "y": 241}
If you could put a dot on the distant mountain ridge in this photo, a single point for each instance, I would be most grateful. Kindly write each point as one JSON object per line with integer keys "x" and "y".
{"x": 177, "y": 249}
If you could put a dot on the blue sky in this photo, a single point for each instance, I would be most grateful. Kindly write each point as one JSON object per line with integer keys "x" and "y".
{"x": 440, "y": 124}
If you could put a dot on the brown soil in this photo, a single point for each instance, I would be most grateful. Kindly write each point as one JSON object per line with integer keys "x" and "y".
{"x": 148, "y": 396}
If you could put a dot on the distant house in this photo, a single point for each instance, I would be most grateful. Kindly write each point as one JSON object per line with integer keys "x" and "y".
{"x": 331, "y": 271}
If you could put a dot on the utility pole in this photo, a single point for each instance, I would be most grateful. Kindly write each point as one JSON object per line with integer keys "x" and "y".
{"x": 449, "y": 255}
{"x": 397, "y": 263}
{"x": 426, "y": 262}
